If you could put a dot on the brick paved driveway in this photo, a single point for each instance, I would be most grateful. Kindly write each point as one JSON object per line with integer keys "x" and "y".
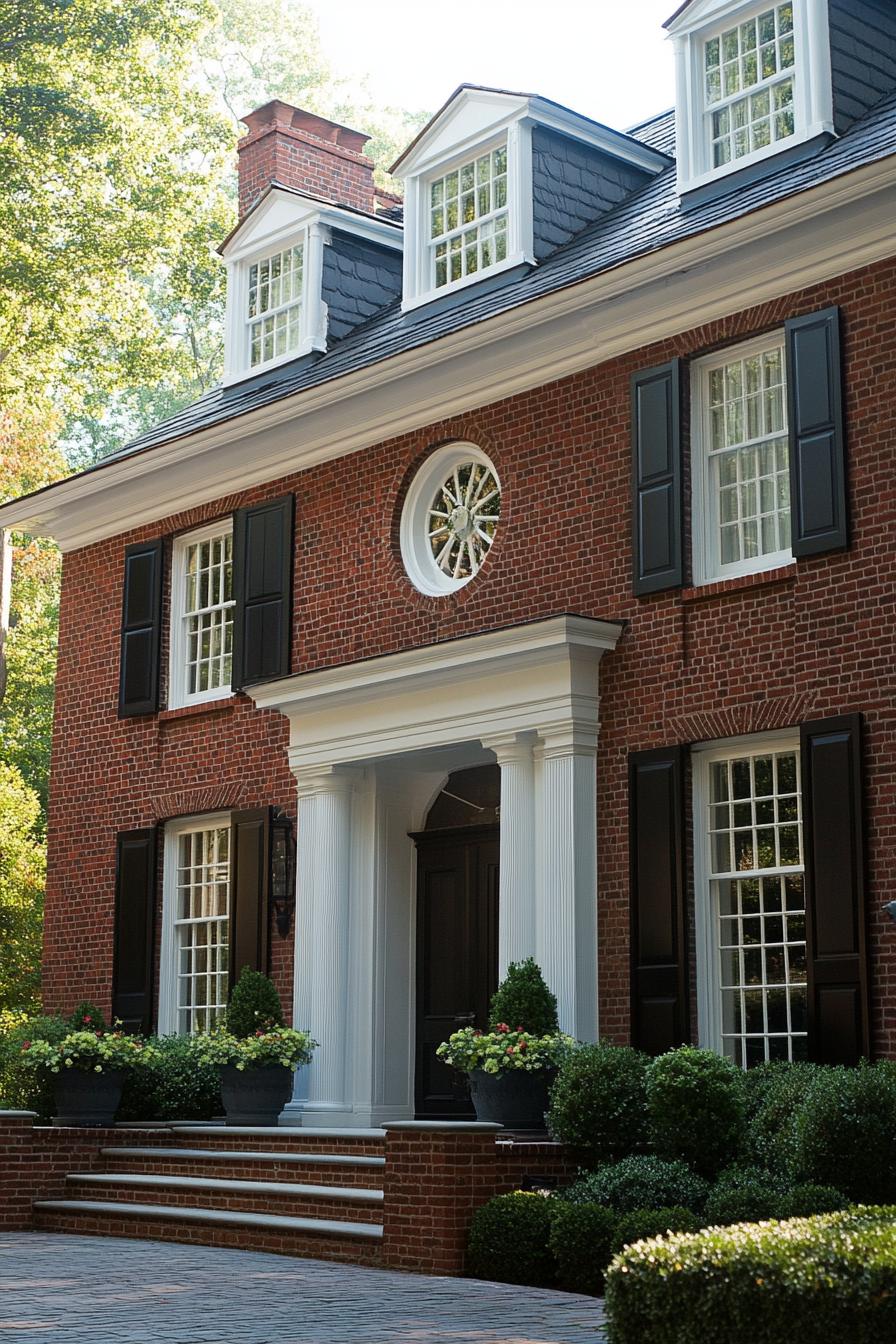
{"x": 102, "y": 1290}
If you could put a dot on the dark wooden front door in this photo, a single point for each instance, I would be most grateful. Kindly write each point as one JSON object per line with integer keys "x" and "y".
{"x": 457, "y": 955}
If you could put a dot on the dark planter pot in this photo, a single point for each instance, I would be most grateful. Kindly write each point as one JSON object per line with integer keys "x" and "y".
{"x": 255, "y": 1096}
{"x": 514, "y": 1098}
{"x": 87, "y": 1099}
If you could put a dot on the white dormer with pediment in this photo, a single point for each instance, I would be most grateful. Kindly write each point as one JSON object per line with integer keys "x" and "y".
{"x": 300, "y": 273}
{"x": 753, "y": 83}
{"x": 498, "y": 179}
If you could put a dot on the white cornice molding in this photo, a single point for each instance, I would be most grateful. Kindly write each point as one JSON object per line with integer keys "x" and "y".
{"x": 803, "y": 240}
{"x": 540, "y": 677}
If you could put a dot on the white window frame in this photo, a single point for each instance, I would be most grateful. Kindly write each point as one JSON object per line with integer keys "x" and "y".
{"x": 178, "y": 695}
{"x": 416, "y": 553}
{"x": 709, "y": 992}
{"x": 313, "y": 314}
{"x": 813, "y": 93}
{"x": 419, "y": 278}
{"x": 705, "y": 558}
{"x": 168, "y": 971}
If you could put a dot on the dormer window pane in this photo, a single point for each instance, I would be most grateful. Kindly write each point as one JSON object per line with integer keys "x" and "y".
{"x": 274, "y": 305}
{"x": 468, "y": 218}
{"x": 748, "y": 86}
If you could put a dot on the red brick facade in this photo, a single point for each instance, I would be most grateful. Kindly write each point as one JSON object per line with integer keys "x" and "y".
{"x": 767, "y": 651}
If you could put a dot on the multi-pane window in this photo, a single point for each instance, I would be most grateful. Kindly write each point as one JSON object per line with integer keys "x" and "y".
{"x": 468, "y": 218}
{"x": 201, "y": 927}
{"x": 747, "y": 485}
{"x": 757, "y": 902}
{"x": 207, "y": 614}
{"x": 749, "y": 85}
{"x": 275, "y": 305}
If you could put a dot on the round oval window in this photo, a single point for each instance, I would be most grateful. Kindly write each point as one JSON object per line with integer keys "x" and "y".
{"x": 450, "y": 518}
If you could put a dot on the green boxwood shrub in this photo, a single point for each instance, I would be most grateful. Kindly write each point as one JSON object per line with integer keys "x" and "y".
{"x": 599, "y": 1102}
{"x": 176, "y": 1086}
{"x": 510, "y": 1240}
{"x": 254, "y": 1004}
{"x": 583, "y": 1240}
{"x": 644, "y": 1223}
{"x": 523, "y": 999}
{"x": 743, "y": 1194}
{"x": 696, "y": 1104}
{"x": 843, "y": 1132}
{"x": 818, "y": 1279}
{"x": 640, "y": 1182}
{"x": 805, "y": 1200}
{"x": 87, "y": 1017}
{"x": 28, "y": 1089}
{"x": 775, "y": 1093}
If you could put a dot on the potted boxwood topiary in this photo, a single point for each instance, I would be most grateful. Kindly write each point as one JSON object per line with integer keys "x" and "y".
{"x": 87, "y": 1068}
{"x": 511, "y": 1068}
{"x": 257, "y": 1055}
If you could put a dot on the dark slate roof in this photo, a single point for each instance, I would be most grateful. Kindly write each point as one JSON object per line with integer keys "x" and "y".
{"x": 648, "y": 220}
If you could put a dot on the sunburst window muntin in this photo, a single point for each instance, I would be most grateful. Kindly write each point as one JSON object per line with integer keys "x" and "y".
{"x": 450, "y": 518}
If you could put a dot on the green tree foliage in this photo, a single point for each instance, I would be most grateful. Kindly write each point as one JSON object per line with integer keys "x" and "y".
{"x": 22, "y": 871}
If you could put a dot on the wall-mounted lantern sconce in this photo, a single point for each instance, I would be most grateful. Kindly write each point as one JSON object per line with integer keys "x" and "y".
{"x": 890, "y": 909}
{"x": 283, "y": 890}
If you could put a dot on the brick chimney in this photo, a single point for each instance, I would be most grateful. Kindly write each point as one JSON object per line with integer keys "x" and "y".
{"x": 301, "y": 150}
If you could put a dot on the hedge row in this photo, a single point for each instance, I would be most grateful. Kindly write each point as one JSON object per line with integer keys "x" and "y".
{"x": 816, "y": 1279}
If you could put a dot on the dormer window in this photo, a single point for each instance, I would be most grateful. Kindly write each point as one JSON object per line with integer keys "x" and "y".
{"x": 275, "y": 304}
{"x": 468, "y": 218}
{"x": 750, "y": 85}
{"x": 753, "y": 82}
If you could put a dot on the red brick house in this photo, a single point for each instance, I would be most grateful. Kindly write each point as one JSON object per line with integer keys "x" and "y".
{"x": 528, "y": 581}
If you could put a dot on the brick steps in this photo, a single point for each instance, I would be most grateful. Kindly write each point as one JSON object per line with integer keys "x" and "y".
{"x": 282, "y": 1197}
{"x": 234, "y": 1186}
{"x": 342, "y": 1169}
{"x": 317, "y": 1238}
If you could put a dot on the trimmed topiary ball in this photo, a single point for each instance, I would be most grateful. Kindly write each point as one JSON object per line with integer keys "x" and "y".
{"x": 843, "y": 1132}
{"x": 599, "y": 1102}
{"x": 743, "y": 1194}
{"x": 696, "y": 1104}
{"x": 523, "y": 1000}
{"x": 582, "y": 1240}
{"x": 254, "y": 1004}
{"x": 510, "y": 1240}
{"x": 640, "y": 1182}
{"x": 806, "y": 1200}
{"x": 644, "y": 1223}
{"x": 775, "y": 1093}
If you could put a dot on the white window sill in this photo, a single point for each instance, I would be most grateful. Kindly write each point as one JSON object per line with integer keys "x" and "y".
{"x": 724, "y": 170}
{"x": 418, "y": 300}
{"x": 243, "y": 375}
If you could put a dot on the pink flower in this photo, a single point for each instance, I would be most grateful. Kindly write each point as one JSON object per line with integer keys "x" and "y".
{"x": 522, "y": 1045}
{"x": 502, "y": 1026}
{"x": 521, "y": 1028}
{"x": 87, "y": 1018}
{"x": 509, "y": 1050}
{"x": 477, "y": 1032}
{"x": 26, "y": 1045}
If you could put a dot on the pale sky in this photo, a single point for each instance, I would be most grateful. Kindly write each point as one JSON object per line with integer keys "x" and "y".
{"x": 608, "y": 59}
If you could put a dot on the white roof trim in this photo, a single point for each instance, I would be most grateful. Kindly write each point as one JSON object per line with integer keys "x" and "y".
{"x": 244, "y": 238}
{"x": 801, "y": 240}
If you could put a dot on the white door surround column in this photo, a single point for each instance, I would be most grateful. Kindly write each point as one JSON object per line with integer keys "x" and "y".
{"x": 320, "y": 978}
{"x": 516, "y": 898}
{"x": 566, "y": 881}
{"x": 529, "y": 694}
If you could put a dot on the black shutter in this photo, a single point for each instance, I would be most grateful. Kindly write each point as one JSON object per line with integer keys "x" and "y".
{"x": 262, "y": 588}
{"x": 815, "y": 418}
{"x": 656, "y": 478}
{"x": 250, "y": 866}
{"x": 141, "y": 621}
{"x": 659, "y": 940}
{"x": 135, "y": 917}
{"x": 831, "y": 752}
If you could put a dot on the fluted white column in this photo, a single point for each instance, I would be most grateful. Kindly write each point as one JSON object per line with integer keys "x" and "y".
{"x": 566, "y": 878}
{"x": 516, "y": 903}
{"x": 321, "y": 990}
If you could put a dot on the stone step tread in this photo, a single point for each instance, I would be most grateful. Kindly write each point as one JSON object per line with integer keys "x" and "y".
{"x": 281, "y": 1131}
{"x": 248, "y": 1155}
{"x": 269, "y": 1222}
{"x": 236, "y": 1187}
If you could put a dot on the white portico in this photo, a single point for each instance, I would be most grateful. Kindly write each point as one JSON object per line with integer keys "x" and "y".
{"x": 371, "y": 746}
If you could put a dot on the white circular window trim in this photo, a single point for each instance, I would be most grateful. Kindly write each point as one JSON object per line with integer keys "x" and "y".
{"x": 463, "y": 524}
